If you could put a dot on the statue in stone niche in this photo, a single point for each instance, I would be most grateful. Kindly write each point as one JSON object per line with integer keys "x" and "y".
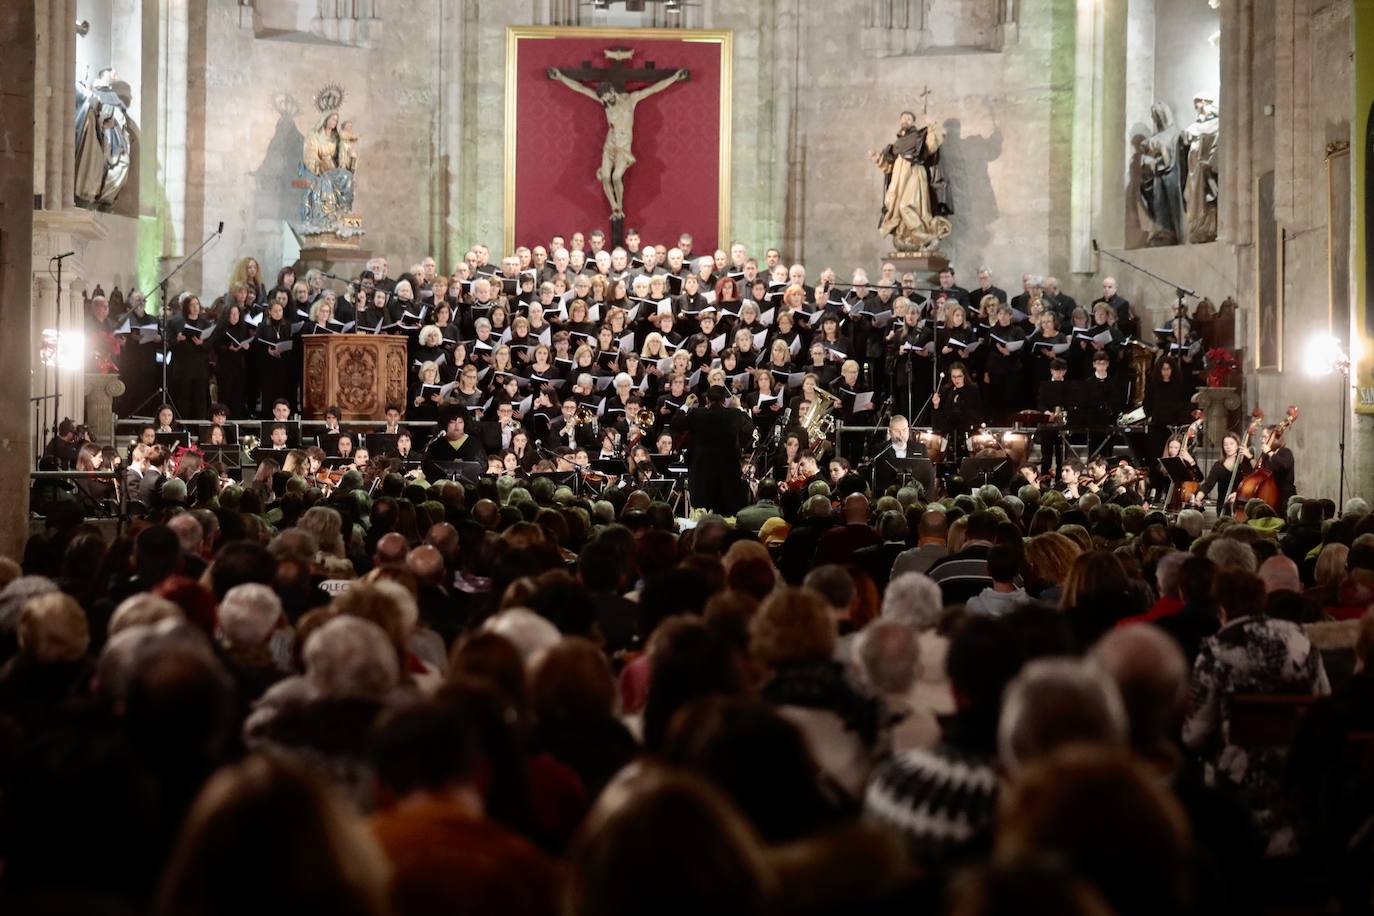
{"x": 915, "y": 197}
{"x": 611, "y": 94}
{"x": 1198, "y": 154}
{"x": 329, "y": 162}
{"x": 1161, "y": 186}
{"x": 104, "y": 142}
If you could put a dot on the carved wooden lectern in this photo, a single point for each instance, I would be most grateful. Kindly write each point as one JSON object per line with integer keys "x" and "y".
{"x": 361, "y": 373}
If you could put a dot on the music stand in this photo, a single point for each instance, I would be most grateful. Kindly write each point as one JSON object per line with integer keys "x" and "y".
{"x": 920, "y": 470}
{"x": 180, "y": 437}
{"x": 980, "y": 471}
{"x": 328, "y": 442}
{"x": 293, "y": 431}
{"x": 266, "y": 453}
{"x": 1141, "y": 443}
{"x": 669, "y": 465}
{"x": 467, "y": 471}
{"x": 228, "y": 457}
{"x": 380, "y": 443}
{"x": 660, "y": 489}
{"x": 230, "y": 430}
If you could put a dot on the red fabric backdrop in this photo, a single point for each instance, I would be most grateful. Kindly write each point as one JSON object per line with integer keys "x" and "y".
{"x": 674, "y": 185}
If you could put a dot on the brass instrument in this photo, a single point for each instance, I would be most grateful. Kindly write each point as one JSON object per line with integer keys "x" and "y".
{"x": 584, "y": 415}
{"x": 689, "y": 402}
{"x": 250, "y": 445}
{"x": 818, "y": 422}
{"x": 645, "y": 418}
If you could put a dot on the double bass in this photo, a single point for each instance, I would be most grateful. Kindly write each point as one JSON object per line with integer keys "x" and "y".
{"x": 1260, "y": 483}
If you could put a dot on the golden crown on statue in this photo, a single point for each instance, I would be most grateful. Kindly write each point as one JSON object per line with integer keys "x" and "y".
{"x": 330, "y": 98}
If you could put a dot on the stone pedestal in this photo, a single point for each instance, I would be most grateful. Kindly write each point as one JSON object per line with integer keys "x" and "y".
{"x": 101, "y": 390}
{"x": 926, "y": 265}
{"x": 344, "y": 260}
{"x": 1216, "y": 405}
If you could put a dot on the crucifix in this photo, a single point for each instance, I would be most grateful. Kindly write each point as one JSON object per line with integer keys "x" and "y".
{"x": 924, "y": 96}
{"x": 613, "y": 94}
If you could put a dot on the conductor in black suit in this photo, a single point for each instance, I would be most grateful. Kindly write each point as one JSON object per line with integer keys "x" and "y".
{"x": 713, "y": 452}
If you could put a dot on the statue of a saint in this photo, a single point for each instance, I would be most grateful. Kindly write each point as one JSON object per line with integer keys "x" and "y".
{"x": 1198, "y": 149}
{"x": 329, "y": 160}
{"x": 915, "y": 198}
{"x": 1161, "y": 187}
{"x": 104, "y": 142}
{"x": 616, "y": 157}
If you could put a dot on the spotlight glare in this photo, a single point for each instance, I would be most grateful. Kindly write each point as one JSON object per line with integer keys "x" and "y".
{"x": 1323, "y": 355}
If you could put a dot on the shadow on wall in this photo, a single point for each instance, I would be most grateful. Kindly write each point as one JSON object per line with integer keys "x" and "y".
{"x": 1136, "y": 231}
{"x": 971, "y": 192}
{"x": 276, "y": 203}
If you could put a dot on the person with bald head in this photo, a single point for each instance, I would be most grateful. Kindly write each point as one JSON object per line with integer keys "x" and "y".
{"x": 443, "y": 609}
{"x": 1125, "y": 315}
{"x": 487, "y": 514}
{"x": 391, "y": 548}
{"x": 444, "y": 538}
{"x": 838, "y": 544}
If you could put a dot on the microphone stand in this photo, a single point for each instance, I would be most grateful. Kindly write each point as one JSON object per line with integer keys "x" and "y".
{"x": 1181, "y": 292}
{"x": 57, "y": 343}
{"x": 161, "y": 285}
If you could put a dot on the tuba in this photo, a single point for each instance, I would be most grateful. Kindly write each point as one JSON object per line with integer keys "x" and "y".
{"x": 818, "y": 421}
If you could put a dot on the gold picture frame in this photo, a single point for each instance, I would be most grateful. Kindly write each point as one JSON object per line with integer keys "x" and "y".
{"x": 1339, "y": 214}
{"x": 722, "y": 37}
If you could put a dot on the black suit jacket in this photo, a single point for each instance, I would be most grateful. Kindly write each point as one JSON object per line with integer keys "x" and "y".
{"x": 716, "y": 434}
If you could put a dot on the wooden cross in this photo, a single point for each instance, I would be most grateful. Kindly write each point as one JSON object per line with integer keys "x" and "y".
{"x": 924, "y": 96}
{"x": 619, "y": 72}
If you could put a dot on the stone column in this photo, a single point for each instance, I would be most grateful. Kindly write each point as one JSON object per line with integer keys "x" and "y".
{"x": 18, "y": 36}
{"x": 1085, "y": 130}
{"x": 1216, "y": 405}
{"x": 171, "y": 119}
{"x": 101, "y": 390}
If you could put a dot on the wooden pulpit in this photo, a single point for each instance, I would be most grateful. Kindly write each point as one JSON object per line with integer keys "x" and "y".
{"x": 360, "y": 373}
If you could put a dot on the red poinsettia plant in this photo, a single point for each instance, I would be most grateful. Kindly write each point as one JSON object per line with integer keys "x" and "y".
{"x": 1221, "y": 362}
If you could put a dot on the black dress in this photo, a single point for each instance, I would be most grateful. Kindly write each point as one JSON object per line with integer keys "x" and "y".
{"x": 1221, "y": 478}
{"x": 188, "y": 376}
{"x": 275, "y": 372}
{"x": 231, "y": 365}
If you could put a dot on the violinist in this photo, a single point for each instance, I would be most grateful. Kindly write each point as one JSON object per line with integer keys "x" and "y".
{"x": 787, "y": 460}
{"x": 361, "y": 457}
{"x": 1227, "y": 471}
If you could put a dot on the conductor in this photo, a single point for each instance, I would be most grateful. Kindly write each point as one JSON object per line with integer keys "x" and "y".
{"x": 713, "y": 452}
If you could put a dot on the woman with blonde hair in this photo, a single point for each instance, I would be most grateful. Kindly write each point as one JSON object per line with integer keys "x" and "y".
{"x": 1049, "y": 557}
{"x": 248, "y": 272}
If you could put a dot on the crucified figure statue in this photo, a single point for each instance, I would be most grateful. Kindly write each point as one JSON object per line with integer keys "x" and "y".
{"x": 616, "y": 157}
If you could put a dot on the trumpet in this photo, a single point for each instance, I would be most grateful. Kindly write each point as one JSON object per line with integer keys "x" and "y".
{"x": 584, "y": 415}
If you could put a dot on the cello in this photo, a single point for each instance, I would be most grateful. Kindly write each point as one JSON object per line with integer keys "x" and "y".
{"x": 1260, "y": 483}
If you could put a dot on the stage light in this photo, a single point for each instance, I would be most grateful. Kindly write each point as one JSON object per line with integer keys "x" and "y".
{"x": 1323, "y": 356}
{"x": 672, "y": 7}
{"x": 65, "y": 351}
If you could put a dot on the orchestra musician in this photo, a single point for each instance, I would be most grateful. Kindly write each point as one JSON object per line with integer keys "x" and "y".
{"x": 1224, "y": 475}
{"x": 1053, "y": 399}
{"x": 957, "y": 406}
{"x": 1278, "y": 459}
{"x": 898, "y": 446}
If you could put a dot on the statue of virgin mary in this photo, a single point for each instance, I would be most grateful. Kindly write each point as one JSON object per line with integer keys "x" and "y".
{"x": 328, "y": 163}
